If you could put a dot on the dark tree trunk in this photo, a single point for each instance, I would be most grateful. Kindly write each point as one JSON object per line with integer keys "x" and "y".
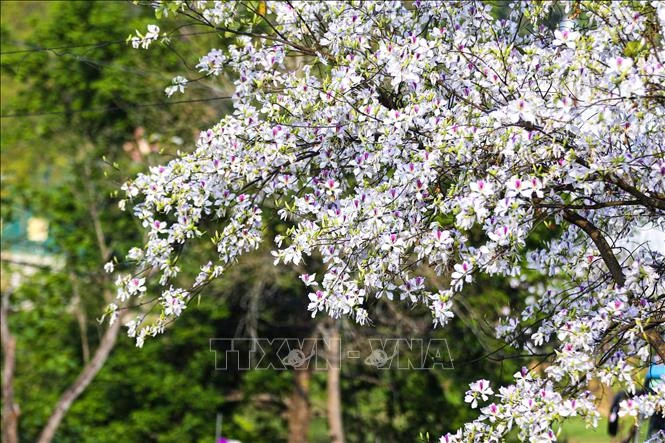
{"x": 299, "y": 408}
{"x": 334, "y": 409}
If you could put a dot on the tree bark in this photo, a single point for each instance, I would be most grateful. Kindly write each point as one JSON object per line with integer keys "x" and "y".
{"x": 299, "y": 412}
{"x": 10, "y": 410}
{"x": 655, "y": 339}
{"x": 84, "y": 379}
{"x": 603, "y": 247}
{"x": 104, "y": 249}
{"x": 334, "y": 410}
{"x": 80, "y": 318}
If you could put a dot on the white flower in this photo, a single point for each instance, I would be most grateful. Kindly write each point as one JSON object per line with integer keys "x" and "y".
{"x": 309, "y": 279}
{"x": 131, "y": 328}
{"x": 482, "y": 187}
{"x": 135, "y": 254}
{"x": 144, "y": 41}
{"x": 568, "y": 408}
{"x": 462, "y": 271}
{"x": 521, "y": 109}
{"x": 479, "y": 390}
{"x": 112, "y": 311}
{"x": 392, "y": 241}
{"x": 136, "y": 285}
{"x": 620, "y": 65}
{"x": 317, "y": 301}
{"x": 451, "y": 438}
{"x": 178, "y": 85}
{"x": 173, "y": 305}
{"x": 565, "y": 37}
{"x": 519, "y": 187}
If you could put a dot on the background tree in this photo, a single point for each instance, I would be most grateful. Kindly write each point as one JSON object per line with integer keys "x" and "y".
{"x": 62, "y": 90}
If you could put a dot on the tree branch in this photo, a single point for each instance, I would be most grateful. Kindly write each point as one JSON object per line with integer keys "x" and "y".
{"x": 566, "y": 140}
{"x": 94, "y": 215}
{"x": 10, "y": 411}
{"x": 603, "y": 247}
{"x": 109, "y": 338}
{"x": 652, "y": 335}
{"x": 643, "y": 198}
{"x": 601, "y": 205}
{"x": 84, "y": 379}
{"x": 79, "y": 312}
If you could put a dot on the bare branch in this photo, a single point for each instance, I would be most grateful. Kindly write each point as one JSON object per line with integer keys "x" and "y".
{"x": 10, "y": 411}
{"x": 603, "y": 247}
{"x": 84, "y": 379}
{"x": 643, "y": 198}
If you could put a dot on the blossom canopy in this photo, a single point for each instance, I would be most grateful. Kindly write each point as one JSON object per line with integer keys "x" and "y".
{"x": 406, "y": 139}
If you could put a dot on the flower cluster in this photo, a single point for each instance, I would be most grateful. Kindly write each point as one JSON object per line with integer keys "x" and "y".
{"x": 144, "y": 41}
{"x": 177, "y": 85}
{"x": 397, "y": 139}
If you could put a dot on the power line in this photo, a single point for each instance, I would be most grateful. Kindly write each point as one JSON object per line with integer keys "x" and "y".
{"x": 56, "y": 48}
{"x": 115, "y": 42}
{"x": 96, "y": 64}
{"x": 98, "y": 44}
{"x": 100, "y": 65}
{"x": 113, "y": 108}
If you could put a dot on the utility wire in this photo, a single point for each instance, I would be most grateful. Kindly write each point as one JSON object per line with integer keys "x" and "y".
{"x": 97, "y": 64}
{"x": 98, "y": 44}
{"x": 113, "y": 108}
{"x": 56, "y": 48}
{"x": 115, "y": 42}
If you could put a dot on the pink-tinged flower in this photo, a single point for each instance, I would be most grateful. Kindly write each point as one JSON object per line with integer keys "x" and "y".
{"x": 451, "y": 438}
{"x": 482, "y": 187}
{"x": 461, "y": 273}
{"x": 616, "y": 307}
{"x": 565, "y": 103}
{"x": 392, "y": 241}
{"x": 519, "y": 187}
{"x": 479, "y": 390}
{"x": 629, "y": 407}
{"x": 521, "y": 109}
{"x": 316, "y": 302}
{"x": 569, "y": 408}
{"x": 565, "y": 37}
{"x": 158, "y": 226}
{"x": 285, "y": 180}
{"x": 501, "y": 235}
{"x": 173, "y": 305}
{"x": 442, "y": 239}
{"x": 492, "y": 411}
{"x": 620, "y": 65}
{"x": 308, "y": 279}
{"x": 136, "y": 285}
{"x": 332, "y": 187}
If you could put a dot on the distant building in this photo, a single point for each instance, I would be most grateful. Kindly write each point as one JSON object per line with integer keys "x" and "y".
{"x": 26, "y": 246}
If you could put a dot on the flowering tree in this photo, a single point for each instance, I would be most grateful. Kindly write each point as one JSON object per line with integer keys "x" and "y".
{"x": 402, "y": 137}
